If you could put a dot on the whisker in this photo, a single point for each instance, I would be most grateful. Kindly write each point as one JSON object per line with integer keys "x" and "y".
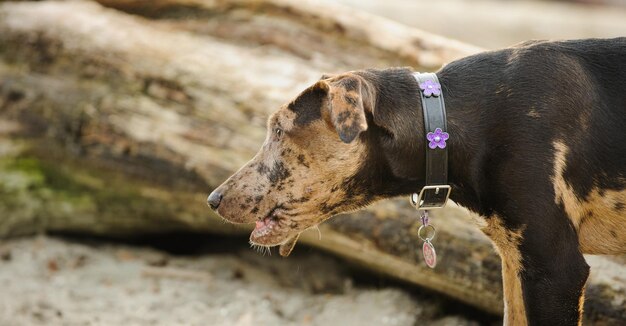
{"x": 317, "y": 227}
{"x": 263, "y": 250}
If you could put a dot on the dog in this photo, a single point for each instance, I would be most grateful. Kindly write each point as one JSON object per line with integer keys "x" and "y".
{"x": 537, "y": 148}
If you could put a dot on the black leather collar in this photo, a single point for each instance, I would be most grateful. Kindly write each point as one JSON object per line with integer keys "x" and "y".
{"x": 436, "y": 190}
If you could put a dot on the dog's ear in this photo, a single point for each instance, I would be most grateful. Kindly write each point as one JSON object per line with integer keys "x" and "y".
{"x": 349, "y": 97}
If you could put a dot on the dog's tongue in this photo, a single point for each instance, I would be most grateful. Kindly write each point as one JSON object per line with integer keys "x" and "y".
{"x": 286, "y": 248}
{"x": 267, "y": 222}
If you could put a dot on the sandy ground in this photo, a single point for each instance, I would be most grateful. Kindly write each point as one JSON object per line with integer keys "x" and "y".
{"x": 53, "y": 281}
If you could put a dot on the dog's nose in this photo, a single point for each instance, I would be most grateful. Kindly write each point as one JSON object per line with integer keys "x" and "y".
{"x": 214, "y": 200}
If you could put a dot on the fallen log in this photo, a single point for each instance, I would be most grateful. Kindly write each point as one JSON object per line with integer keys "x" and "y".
{"x": 119, "y": 125}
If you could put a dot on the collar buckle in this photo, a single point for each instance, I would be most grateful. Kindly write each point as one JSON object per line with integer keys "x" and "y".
{"x": 431, "y": 197}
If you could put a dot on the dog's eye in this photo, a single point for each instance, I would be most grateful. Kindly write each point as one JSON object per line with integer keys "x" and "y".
{"x": 278, "y": 132}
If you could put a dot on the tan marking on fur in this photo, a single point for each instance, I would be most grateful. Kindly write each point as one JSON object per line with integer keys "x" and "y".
{"x": 562, "y": 190}
{"x": 581, "y": 306}
{"x": 599, "y": 224}
{"x": 533, "y": 113}
{"x": 500, "y": 89}
{"x": 507, "y": 243}
{"x": 604, "y": 231}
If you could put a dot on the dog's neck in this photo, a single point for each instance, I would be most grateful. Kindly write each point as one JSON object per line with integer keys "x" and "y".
{"x": 398, "y": 122}
{"x": 465, "y": 152}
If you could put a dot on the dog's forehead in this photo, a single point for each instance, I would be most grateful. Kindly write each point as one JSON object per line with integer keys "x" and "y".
{"x": 307, "y": 106}
{"x": 283, "y": 118}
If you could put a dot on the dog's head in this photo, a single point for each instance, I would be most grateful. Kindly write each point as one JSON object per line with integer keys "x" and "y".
{"x": 313, "y": 164}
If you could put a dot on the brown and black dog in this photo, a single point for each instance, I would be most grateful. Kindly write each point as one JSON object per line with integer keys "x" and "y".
{"x": 537, "y": 148}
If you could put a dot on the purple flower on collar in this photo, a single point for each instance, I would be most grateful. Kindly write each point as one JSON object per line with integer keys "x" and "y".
{"x": 437, "y": 138}
{"x": 430, "y": 88}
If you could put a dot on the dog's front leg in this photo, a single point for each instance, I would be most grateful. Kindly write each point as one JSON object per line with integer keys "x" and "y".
{"x": 543, "y": 272}
{"x": 507, "y": 244}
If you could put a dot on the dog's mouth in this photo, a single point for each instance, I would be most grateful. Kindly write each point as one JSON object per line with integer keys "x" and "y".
{"x": 266, "y": 226}
{"x": 272, "y": 230}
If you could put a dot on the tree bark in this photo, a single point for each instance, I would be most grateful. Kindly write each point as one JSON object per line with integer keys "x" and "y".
{"x": 119, "y": 121}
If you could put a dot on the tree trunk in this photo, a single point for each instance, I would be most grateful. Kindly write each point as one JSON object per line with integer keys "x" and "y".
{"x": 119, "y": 123}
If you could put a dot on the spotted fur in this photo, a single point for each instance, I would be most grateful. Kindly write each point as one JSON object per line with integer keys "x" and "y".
{"x": 290, "y": 175}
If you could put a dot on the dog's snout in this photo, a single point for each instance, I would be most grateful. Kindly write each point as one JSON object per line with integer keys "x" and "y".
{"x": 214, "y": 199}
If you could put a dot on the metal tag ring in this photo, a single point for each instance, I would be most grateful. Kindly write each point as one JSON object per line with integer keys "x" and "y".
{"x": 424, "y": 229}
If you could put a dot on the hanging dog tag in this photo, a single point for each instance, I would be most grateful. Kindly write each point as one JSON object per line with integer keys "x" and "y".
{"x": 430, "y": 256}
{"x": 426, "y": 232}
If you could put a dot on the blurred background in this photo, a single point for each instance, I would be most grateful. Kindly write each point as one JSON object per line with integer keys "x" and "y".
{"x": 118, "y": 117}
{"x": 494, "y": 24}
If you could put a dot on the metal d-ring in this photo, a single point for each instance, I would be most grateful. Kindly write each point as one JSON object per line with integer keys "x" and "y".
{"x": 425, "y": 228}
